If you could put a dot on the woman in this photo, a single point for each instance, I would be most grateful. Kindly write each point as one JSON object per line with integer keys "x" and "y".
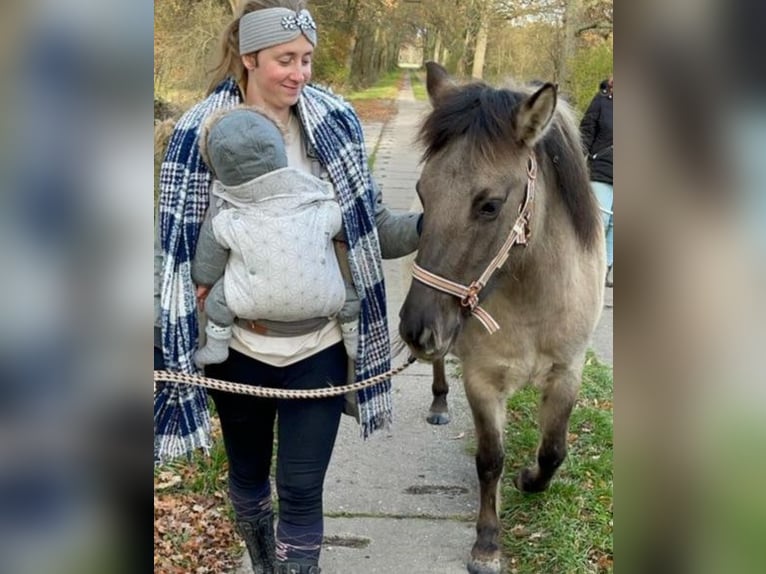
{"x": 596, "y": 132}
{"x": 266, "y": 63}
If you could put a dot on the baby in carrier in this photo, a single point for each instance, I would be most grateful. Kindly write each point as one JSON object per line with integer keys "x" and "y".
{"x": 265, "y": 247}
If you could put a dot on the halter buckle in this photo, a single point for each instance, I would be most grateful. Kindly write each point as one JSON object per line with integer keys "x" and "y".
{"x": 471, "y": 297}
{"x": 523, "y": 231}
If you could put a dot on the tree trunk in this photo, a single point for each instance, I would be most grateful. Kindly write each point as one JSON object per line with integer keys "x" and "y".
{"x": 571, "y": 22}
{"x": 437, "y": 47}
{"x": 352, "y": 25}
{"x": 374, "y": 65}
{"x": 425, "y": 47}
{"x": 352, "y": 40}
{"x": 461, "y": 61}
{"x": 481, "y": 45}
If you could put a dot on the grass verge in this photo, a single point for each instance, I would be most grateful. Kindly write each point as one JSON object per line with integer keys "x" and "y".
{"x": 567, "y": 529}
{"x": 377, "y": 103}
{"x": 193, "y": 520}
{"x": 386, "y": 88}
{"x": 418, "y": 83}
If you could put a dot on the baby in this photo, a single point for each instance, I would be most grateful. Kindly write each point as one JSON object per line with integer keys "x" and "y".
{"x": 265, "y": 247}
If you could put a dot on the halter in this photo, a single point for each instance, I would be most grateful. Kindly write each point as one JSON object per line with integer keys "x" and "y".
{"x": 519, "y": 235}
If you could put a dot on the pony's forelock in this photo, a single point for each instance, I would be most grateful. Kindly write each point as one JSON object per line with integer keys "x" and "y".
{"x": 482, "y": 116}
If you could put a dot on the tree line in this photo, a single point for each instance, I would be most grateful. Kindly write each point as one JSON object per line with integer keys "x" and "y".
{"x": 564, "y": 41}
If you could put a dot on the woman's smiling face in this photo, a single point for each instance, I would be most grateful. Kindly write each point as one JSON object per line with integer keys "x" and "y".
{"x": 279, "y": 76}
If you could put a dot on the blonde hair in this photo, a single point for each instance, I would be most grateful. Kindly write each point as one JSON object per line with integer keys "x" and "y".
{"x": 230, "y": 63}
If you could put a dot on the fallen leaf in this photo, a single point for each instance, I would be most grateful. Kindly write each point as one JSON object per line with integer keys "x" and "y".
{"x": 169, "y": 482}
{"x": 520, "y": 531}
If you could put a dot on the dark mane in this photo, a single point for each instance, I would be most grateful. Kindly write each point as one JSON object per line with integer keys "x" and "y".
{"x": 480, "y": 114}
{"x": 476, "y": 112}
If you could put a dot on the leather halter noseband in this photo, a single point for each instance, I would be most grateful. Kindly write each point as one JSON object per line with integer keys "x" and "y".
{"x": 519, "y": 235}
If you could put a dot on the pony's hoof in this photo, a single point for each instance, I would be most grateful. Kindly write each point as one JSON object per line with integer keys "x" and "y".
{"x": 528, "y": 481}
{"x": 438, "y": 418}
{"x": 493, "y": 566}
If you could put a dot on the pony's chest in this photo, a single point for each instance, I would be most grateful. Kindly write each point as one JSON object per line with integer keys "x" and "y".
{"x": 518, "y": 352}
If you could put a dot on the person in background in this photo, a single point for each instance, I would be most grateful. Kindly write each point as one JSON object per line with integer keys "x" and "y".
{"x": 596, "y": 132}
{"x": 266, "y": 62}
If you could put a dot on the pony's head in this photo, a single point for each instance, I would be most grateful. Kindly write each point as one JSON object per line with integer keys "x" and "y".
{"x": 478, "y": 142}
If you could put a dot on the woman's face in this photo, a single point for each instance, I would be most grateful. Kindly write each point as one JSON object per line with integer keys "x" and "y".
{"x": 282, "y": 71}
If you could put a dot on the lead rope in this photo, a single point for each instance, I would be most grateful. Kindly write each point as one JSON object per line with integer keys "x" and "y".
{"x": 266, "y": 392}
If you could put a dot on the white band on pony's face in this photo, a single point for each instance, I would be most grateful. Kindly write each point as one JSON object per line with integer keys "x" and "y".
{"x": 266, "y": 28}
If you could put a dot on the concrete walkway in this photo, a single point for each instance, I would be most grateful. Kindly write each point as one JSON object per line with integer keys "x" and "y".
{"x": 406, "y": 501}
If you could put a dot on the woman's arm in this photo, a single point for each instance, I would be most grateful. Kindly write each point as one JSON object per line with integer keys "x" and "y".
{"x": 399, "y": 232}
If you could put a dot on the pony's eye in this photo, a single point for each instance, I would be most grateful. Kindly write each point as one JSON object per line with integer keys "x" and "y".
{"x": 490, "y": 209}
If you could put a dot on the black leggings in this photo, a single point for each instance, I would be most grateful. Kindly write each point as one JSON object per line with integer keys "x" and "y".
{"x": 306, "y": 428}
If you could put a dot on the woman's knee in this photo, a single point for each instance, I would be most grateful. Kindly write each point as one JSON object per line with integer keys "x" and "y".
{"x": 300, "y": 502}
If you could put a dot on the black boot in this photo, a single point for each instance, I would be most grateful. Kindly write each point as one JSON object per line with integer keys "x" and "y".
{"x": 609, "y": 282}
{"x": 298, "y": 567}
{"x": 261, "y": 544}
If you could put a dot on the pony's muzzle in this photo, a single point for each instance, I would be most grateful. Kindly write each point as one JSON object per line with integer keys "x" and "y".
{"x": 429, "y": 322}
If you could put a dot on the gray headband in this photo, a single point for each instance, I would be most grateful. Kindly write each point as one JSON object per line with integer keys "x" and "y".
{"x": 266, "y": 28}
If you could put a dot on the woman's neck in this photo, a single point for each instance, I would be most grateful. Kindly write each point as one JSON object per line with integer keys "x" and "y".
{"x": 282, "y": 114}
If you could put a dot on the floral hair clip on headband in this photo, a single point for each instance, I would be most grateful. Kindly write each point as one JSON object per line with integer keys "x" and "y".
{"x": 302, "y": 20}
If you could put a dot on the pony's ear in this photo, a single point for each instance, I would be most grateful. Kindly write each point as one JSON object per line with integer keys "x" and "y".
{"x": 533, "y": 115}
{"x": 438, "y": 82}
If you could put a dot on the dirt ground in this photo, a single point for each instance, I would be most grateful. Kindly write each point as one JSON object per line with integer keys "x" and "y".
{"x": 368, "y": 110}
{"x": 375, "y": 110}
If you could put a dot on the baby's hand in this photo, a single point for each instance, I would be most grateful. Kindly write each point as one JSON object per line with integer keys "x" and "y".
{"x": 201, "y": 294}
{"x": 350, "y": 332}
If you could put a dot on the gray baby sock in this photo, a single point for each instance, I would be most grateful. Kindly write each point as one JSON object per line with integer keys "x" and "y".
{"x": 350, "y": 331}
{"x": 216, "y": 349}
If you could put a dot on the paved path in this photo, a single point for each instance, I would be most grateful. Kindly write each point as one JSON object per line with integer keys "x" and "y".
{"x": 407, "y": 498}
{"x": 405, "y": 501}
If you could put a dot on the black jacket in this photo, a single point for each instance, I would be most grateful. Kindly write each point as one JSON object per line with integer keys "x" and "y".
{"x": 596, "y": 132}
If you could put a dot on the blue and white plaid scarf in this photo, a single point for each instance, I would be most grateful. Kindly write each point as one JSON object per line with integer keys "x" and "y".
{"x": 181, "y": 419}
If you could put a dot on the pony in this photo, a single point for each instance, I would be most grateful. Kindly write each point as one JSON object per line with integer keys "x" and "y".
{"x": 509, "y": 273}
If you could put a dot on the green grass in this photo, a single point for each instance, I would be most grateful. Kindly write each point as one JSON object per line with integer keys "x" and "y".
{"x": 386, "y": 88}
{"x": 202, "y": 474}
{"x": 568, "y": 528}
{"x": 418, "y": 82}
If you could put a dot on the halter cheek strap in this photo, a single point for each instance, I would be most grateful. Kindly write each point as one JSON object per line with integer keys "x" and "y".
{"x": 519, "y": 235}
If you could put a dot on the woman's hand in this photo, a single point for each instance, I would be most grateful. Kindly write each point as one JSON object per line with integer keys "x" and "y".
{"x": 201, "y": 294}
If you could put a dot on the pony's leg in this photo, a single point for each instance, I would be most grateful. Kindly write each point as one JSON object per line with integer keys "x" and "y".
{"x": 488, "y": 408}
{"x": 559, "y": 394}
{"x": 438, "y": 414}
